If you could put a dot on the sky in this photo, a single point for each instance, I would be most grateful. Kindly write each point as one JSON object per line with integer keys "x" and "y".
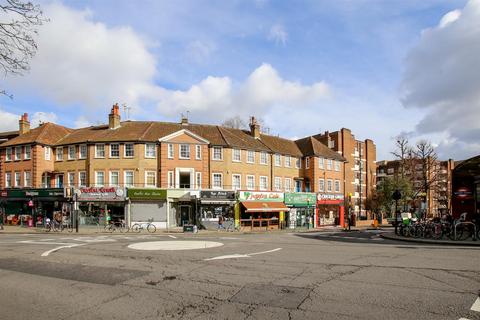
{"x": 380, "y": 68}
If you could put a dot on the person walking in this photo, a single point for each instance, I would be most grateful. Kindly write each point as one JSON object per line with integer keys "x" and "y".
{"x": 220, "y": 222}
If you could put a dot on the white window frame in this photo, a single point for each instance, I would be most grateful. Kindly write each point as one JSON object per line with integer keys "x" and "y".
{"x": 329, "y": 164}
{"x": 250, "y": 156}
{"x": 110, "y": 149}
{"x": 80, "y": 148}
{"x": 125, "y": 150}
{"x": 278, "y": 160}
{"x": 8, "y": 154}
{"x": 278, "y": 184}
{"x": 329, "y": 185}
{"x": 298, "y": 163}
{"x": 214, "y": 153}
{"x": 288, "y": 184}
{"x": 198, "y": 152}
{"x": 213, "y": 180}
{"x": 97, "y": 150}
{"x": 288, "y": 161}
{"x": 69, "y": 154}
{"x": 80, "y": 184}
{"x": 97, "y": 184}
{"x": 17, "y": 182}
{"x": 264, "y": 158}
{"x": 110, "y": 178}
{"x": 125, "y": 178}
{"x": 198, "y": 180}
{"x": 337, "y": 183}
{"x": 235, "y": 153}
{"x": 27, "y": 155}
{"x": 321, "y": 185}
{"x": 48, "y": 153}
{"x": 170, "y": 151}
{"x": 239, "y": 176}
{"x": 57, "y": 184}
{"x": 252, "y": 187}
{"x": 171, "y": 179}
{"x": 337, "y": 165}
{"x": 263, "y": 188}
{"x": 59, "y": 154}
{"x": 69, "y": 175}
{"x": 27, "y": 182}
{"x": 154, "y": 176}
{"x": 307, "y": 162}
{"x": 148, "y": 153}
{"x": 18, "y": 153}
{"x": 321, "y": 163}
{"x": 8, "y": 179}
{"x": 180, "y": 151}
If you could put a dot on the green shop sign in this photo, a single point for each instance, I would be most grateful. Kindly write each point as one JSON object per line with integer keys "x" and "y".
{"x": 300, "y": 199}
{"x": 147, "y": 194}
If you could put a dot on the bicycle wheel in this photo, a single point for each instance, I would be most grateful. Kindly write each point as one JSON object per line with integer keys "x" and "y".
{"x": 124, "y": 228}
{"x": 48, "y": 228}
{"x": 135, "y": 228}
{"x": 151, "y": 228}
{"x": 428, "y": 231}
{"x": 108, "y": 228}
{"x": 437, "y": 232}
{"x": 70, "y": 228}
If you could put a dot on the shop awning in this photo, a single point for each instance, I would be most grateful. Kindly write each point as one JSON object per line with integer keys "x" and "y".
{"x": 264, "y": 206}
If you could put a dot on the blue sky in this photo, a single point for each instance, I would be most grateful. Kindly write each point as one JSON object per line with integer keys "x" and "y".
{"x": 302, "y": 66}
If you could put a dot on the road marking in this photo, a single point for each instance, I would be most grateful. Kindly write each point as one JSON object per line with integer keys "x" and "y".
{"x": 174, "y": 245}
{"x": 239, "y": 255}
{"x": 42, "y": 242}
{"x": 476, "y": 305}
{"x": 173, "y": 237}
{"x": 46, "y": 253}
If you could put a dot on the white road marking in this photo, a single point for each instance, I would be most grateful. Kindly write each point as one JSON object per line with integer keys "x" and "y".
{"x": 42, "y": 242}
{"x": 476, "y": 305}
{"x": 173, "y": 237}
{"x": 175, "y": 245}
{"x": 238, "y": 255}
{"x": 463, "y": 319}
{"x": 46, "y": 253}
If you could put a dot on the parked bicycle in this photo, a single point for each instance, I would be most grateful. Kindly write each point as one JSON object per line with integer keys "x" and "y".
{"x": 58, "y": 227}
{"x": 117, "y": 226}
{"x": 149, "y": 226}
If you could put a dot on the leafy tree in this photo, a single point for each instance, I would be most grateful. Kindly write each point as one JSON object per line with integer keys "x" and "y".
{"x": 18, "y": 28}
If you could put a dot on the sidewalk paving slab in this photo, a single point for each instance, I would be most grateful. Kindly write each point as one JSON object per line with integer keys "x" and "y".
{"x": 393, "y": 236}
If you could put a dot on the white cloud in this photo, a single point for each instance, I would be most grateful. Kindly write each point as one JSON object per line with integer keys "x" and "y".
{"x": 9, "y": 121}
{"x": 199, "y": 51}
{"x": 86, "y": 62}
{"x": 262, "y": 92}
{"x": 278, "y": 34}
{"x": 441, "y": 78}
{"x": 43, "y": 117}
{"x": 82, "y": 122}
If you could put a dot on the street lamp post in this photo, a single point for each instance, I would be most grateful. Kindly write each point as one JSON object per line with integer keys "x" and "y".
{"x": 397, "y": 195}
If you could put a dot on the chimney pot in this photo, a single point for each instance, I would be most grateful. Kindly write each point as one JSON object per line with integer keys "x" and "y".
{"x": 23, "y": 124}
{"x": 114, "y": 117}
{"x": 254, "y": 128}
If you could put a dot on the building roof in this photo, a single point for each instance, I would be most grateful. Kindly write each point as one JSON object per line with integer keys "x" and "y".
{"x": 312, "y": 147}
{"x": 47, "y": 134}
{"x": 8, "y": 134}
{"x": 281, "y": 145}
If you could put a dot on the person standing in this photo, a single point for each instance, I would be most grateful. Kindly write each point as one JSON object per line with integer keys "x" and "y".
{"x": 220, "y": 222}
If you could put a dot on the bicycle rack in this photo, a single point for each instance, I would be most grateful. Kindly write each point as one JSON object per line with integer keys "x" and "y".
{"x": 474, "y": 237}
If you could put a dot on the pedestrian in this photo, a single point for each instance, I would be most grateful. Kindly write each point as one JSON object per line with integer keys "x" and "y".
{"x": 220, "y": 222}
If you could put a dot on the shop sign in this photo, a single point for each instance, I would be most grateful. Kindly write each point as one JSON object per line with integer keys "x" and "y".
{"x": 37, "y": 193}
{"x": 329, "y": 196}
{"x": 260, "y": 196}
{"x": 147, "y": 194}
{"x": 100, "y": 194}
{"x": 217, "y": 195}
{"x": 463, "y": 193}
{"x": 300, "y": 199}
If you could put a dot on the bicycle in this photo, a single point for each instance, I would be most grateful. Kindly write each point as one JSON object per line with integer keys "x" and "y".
{"x": 230, "y": 226}
{"x": 149, "y": 226}
{"x": 120, "y": 226}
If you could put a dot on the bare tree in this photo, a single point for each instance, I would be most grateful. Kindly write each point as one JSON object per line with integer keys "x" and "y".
{"x": 235, "y": 123}
{"x": 404, "y": 180}
{"x": 18, "y": 28}
{"x": 427, "y": 169}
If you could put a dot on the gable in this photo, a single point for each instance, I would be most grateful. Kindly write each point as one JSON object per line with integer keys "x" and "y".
{"x": 184, "y": 136}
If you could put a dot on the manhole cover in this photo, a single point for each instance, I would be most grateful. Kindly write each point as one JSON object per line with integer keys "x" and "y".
{"x": 175, "y": 245}
{"x": 271, "y": 295}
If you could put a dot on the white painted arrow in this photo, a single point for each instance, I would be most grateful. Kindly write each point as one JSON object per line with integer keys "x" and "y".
{"x": 238, "y": 255}
{"x": 476, "y": 305}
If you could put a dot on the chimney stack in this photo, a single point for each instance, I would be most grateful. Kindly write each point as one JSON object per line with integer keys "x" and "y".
{"x": 254, "y": 128}
{"x": 24, "y": 124}
{"x": 114, "y": 117}
{"x": 184, "y": 121}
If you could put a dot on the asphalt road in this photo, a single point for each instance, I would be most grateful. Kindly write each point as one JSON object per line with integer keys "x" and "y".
{"x": 323, "y": 275}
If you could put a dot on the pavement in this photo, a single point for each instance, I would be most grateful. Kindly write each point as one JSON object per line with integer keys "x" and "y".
{"x": 393, "y": 236}
{"x": 327, "y": 274}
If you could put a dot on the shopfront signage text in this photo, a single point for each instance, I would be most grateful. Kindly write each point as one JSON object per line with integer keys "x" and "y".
{"x": 100, "y": 194}
{"x": 260, "y": 196}
{"x": 329, "y": 196}
{"x": 300, "y": 199}
{"x": 217, "y": 195}
{"x": 147, "y": 194}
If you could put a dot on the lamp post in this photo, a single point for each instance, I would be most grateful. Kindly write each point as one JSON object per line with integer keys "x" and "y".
{"x": 397, "y": 195}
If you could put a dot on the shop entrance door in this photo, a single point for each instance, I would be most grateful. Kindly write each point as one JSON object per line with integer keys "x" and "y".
{"x": 185, "y": 215}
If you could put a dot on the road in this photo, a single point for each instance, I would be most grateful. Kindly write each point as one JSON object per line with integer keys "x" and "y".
{"x": 321, "y": 275}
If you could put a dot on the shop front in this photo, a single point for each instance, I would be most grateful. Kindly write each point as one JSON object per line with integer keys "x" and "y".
{"x": 214, "y": 204}
{"x": 330, "y": 210}
{"x": 182, "y": 207}
{"x": 302, "y": 209}
{"x": 260, "y": 210}
{"x": 99, "y": 205}
{"x": 147, "y": 205}
{"x": 466, "y": 188}
{"x": 20, "y": 206}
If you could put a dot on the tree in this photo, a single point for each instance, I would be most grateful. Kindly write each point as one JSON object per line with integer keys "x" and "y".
{"x": 404, "y": 179}
{"x": 235, "y": 123}
{"x": 381, "y": 199}
{"x": 18, "y": 28}
{"x": 426, "y": 170}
